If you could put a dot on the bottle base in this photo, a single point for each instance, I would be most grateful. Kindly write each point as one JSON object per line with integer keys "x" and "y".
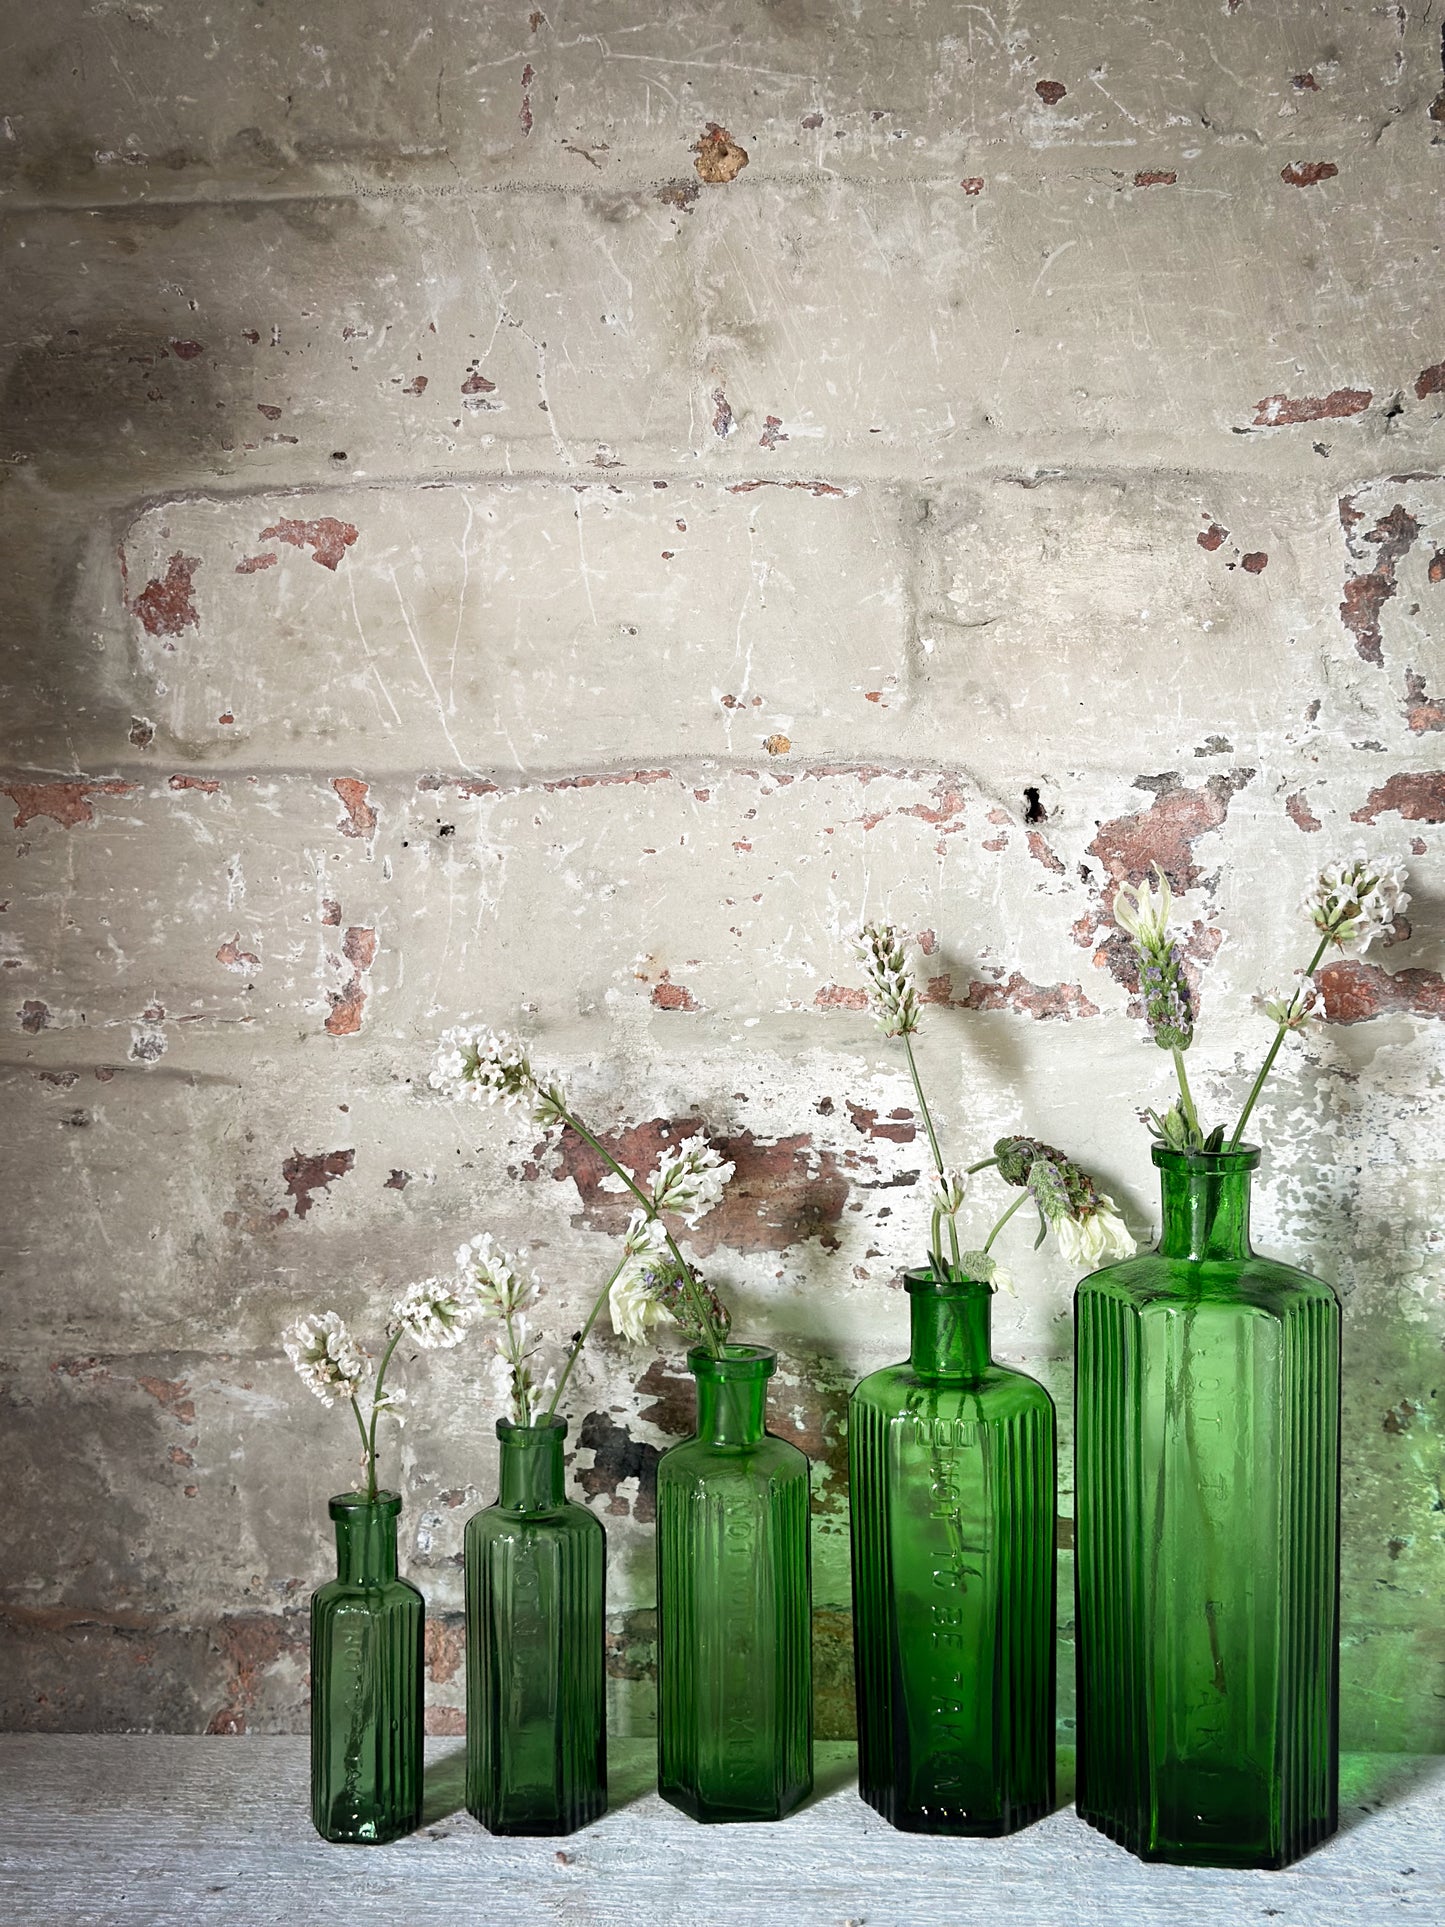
{"x": 730, "y": 1813}
{"x": 956, "y": 1822}
{"x": 1253, "y": 1856}
{"x": 368, "y": 1833}
{"x": 539, "y": 1826}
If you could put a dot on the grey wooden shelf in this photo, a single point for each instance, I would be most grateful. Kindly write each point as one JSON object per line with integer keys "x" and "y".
{"x": 107, "y": 1831}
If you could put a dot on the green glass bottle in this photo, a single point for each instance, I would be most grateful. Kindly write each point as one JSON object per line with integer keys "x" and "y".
{"x": 536, "y": 1671}
{"x": 734, "y": 1603}
{"x": 366, "y": 1681}
{"x": 952, "y": 1496}
{"x": 1207, "y": 1415}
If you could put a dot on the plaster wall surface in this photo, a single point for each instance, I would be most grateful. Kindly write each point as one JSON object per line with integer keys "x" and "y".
{"x": 463, "y": 562}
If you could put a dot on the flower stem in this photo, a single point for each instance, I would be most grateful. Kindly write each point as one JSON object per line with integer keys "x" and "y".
{"x": 1186, "y": 1098}
{"x": 700, "y": 1310}
{"x": 1268, "y": 1065}
{"x": 927, "y": 1117}
{"x": 1022, "y": 1198}
{"x": 984, "y": 1164}
{"x": 361, "y": 1427}
{"x": 375, "y": 1408}
{"x": 581, "y": 1339}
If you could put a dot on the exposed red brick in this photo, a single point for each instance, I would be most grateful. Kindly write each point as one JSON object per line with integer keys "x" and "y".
{"x": 1156, "y": 177}
{"x": 347, "y": 1007}
{"x": 208, "y": 785}
{"x": 1365, "y": 599}
{"x": 269, "y": 410}
{"x": 1418, "y": 796}
{"x": 477, "y": 384}
{"x": 326, "y": 537}
{"x": 1041, "y": 853}
{"x": 1299, "y": 811}
{"x": 65, "y": 803}
{"x": 813, "y": 488}
{"x": 1015, "y": 993}
{"x": 722, "y": 415}
{"x": 667, "y": 995}
{"x": 235, "y": 958}
{"x": 252, "y": 1644}
{"x": 164, "y": 606}
{"x": 360, "y": 819}
{"x": 330, "y": 910}
{"x": 524, "y": 114}
{"x": 1431, "y": 381}
{"x": 398, "y": 1181}
{"x": 34, "y": 1016}
{"x": 973, "y": 184}
{"x": 1308, "y": 173}
{"x": 173, "y": 1395}
{"x": 306, "y": 1173}
{"x": 444, "y": 1722}
{"x": 445, "y": 1649}
{"x": 1436, "y": 570}
{"x": 253, "y": 564}
{"x": 1255, "y": 563}
{"x": 898, "y": 1127}
{"x": 1283, "y": 411}
{"x": 719, "y": 158}
{"x": 773, "y": 432}
{"x": 840, "y": 997}
{"x": 416, "y": 386}
{"x": 1166, "y": 832}
{"x": 1213, "y": 537}
{"x": 1355, "y": 991}
{"x": 359, "y": 947}
{"x": 783, "y": 1193}
{"x": 1422, "y": 712}
{"x": 1050, "y": 92}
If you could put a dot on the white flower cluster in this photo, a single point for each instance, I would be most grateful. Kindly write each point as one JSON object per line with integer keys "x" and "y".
{"x": 949, "y": 1189}
{"x": 327, "y": 1357}
{"x": 690, "y": 1180}
{"x": 985, "y": 1269}
{"x": 630, "y": 1302}
{"x": 1144, "y": 912}
{"x": 432, "y": 1315}
{"x": 1356, "y": 902}
{"x": 891, "y": 996}
{"x": 1100, "y": 1237}
{"x": 493, "y": 1275}
{"x": 1292, "y": 1013}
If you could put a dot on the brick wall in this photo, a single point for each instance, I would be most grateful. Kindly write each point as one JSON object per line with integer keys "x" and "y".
{"x": 475, "y": 547}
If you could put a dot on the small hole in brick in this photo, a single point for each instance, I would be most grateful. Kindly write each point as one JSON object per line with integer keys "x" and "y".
{"x": 1035, "y": 811}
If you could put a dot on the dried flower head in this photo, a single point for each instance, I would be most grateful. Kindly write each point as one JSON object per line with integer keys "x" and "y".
{"x": 985, "y": 1269}
{"x": 432, "y": 1314}
{"x": 1168, "y": 1006}
{"x": 1084, "y": 1219}
{"x": 327, "y": 1357}
{"x": 1099, "y": 1238}
{"x": 891, "y": 996}
{"x": 1356, "y": 902}
{"x": 680, "y": 1297}
{"x": 690, "y": 1180}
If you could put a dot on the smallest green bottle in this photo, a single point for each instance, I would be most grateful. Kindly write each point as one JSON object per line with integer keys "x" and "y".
{"x": 367, "y": 1631}
{"x": 952, "y": 1501}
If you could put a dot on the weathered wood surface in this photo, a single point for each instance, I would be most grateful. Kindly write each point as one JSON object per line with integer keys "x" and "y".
{"x": 171, "y": 1832}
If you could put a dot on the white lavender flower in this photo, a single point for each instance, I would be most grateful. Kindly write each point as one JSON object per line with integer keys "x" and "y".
{"x": 985, "y": 1269}
{"x": 1356, "y": 902}
{"x": 493, "y": 1275}
{"x": 1144, "y": 912}
{"x": 1293, "y": 1013}
{"x": 480, "y": 1064}
{"x": 949, "y": 1189}
{"x": 690, "y": 1180}
{"x": 644, "y": 1238}
{"x": 891, "y": 997}
{"x": 432, "y": 1314}
{"x": 393, "y": 1397}
{"x": 632, "y": 1305}
{"x": 1098, "y": 1238}
{"x": 330, "y": 1362}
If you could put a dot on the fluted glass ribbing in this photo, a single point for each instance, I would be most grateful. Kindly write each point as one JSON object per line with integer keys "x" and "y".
{"x": 735, "y": 1717}
{"x": 1207, "y": 1400}
{"x": 536, "y": 1675}
{"x": 952, "y": 1498}
{"x": 367, "y": 1630}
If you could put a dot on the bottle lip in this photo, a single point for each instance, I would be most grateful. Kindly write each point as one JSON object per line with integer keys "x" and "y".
{"x": 356, "y": 1505}
{"x": 737, "y": 1362}
{"x": 542, "y": 1433}
{"x": 1245, "y": 1157}
{"x": 922, "y": 1280}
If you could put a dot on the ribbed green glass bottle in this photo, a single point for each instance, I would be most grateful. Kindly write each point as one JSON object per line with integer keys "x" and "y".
{"x": 366, "y": 1681}
{"x": 536, "y": 1675}
{"x": 1207, "y": 1414}
{"x": 952, "y": 1496}
{"x": 735, "y": 1675}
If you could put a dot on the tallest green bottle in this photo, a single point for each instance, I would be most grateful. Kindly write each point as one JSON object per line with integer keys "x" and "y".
{"x": 1207, "y": 1498}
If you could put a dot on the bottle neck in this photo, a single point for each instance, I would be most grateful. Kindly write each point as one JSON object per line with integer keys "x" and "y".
{"x": 1204, "y": 1203}
{"x": 366, "y": 1538}
{"x": 950, "y": 1327}
{"x": 532, "y": 1476}
{"x": 732, "y": 1393}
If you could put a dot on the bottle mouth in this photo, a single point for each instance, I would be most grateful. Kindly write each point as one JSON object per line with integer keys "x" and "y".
{"x": 736, "y": 1362}
{"x": 1244, "y": 1157}
{"x": 356, "y": 1505}
{"x": 923, "y": 1280}
{"x": 543, "y": 1432}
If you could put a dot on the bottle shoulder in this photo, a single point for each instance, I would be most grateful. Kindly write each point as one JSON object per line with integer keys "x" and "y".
{"x": 567, "y": 1520}
{"x": 897, "y": 1391}
{"x": 770, "y": 1458}
{"x": 396, "y": 1595}
{"x": 1253, "y": 1283}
